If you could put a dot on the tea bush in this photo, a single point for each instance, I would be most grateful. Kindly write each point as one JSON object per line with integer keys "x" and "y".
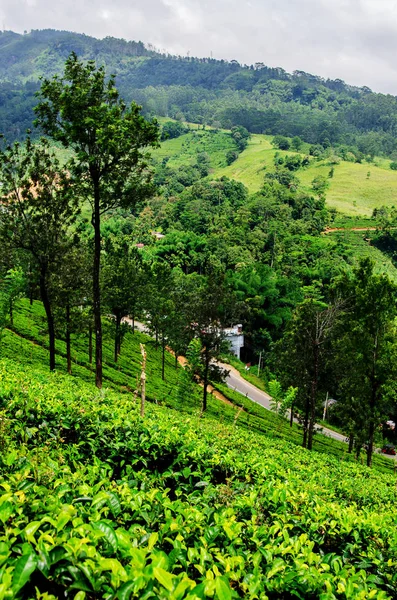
{"x": 96, "y": 502}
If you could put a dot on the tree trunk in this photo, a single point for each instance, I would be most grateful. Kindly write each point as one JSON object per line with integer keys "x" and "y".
{"x": 351, "y": 443}
{"x": 163, "y": 357}
{"x": 291, "y": 417}
{"x": 313, "y": 395}
{"x": 372, "y": 404}
{"x": 143, "y": 380}
{"x": 133, "y": 323}
{"x": 370, "y": 447}
{"x": 117, "y": 343}
{"x": 50, "y": 319}
{"x": 11, "y": 313}
{"x": 205, "y": 382}
{"x": 30, "y": 277}
{"x": 90, "y": 344}
{"x": 68, "y": 352}
{"x": 96, "y": 286}
{"x": 306, "y": 423}
{"x": 176, "y": 360}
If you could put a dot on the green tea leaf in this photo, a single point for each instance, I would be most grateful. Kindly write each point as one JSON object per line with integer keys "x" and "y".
{"x": 114, "y": 504}
{"x": 23, "y": 569}
{"x": 125, "y": 591}
{"x": 108, "y": 532}
{"x": 165, "y": 578}
{"x": 223, "y": 591}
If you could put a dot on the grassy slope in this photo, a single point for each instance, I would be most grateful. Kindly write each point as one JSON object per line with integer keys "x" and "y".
{"x": 184, "y": 149}
{"x": 350, "y": 191}
{"x": 27, "y": 344}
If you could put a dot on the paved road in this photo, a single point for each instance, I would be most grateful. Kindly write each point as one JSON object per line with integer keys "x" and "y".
{"x": 236, "y": 382}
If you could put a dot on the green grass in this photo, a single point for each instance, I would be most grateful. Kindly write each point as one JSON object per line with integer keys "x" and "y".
{"x": 350, "y": 191}
{"x": 252, "y": 164}
{"x": 184, "y": 149}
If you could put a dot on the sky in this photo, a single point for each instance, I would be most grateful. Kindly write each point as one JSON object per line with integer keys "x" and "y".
{"x": 353, "y": 40}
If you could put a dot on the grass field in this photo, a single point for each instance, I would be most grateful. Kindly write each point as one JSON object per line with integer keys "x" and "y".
{"x": 354, "y": 190}
{"x": 184, "y": 149}
{"x": 351, "y": 190}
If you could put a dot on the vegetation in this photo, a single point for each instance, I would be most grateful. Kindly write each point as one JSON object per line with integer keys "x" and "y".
{"x": 205, "y": 91}
{"x": 193, "y": 490}
{"x": 78, "y": 466}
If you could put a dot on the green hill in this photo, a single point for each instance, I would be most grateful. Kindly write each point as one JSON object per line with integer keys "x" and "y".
{"x": 354, "y": 190}
{"x": 97, "y": 502}
{"x": 223, "y": 93}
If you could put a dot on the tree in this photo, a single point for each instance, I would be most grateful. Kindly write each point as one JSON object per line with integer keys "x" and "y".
{"x": 365, "y": 349}
{"x": 296, "y": 143}
{"x": 38, "y": 210}
{"x": 160, "y": 306}
{"x": 83, "y": 110}
{"x": 69, "y": 290}
{"x": 213, "y": 310}
{"x": 122, "y": 279}
{"x": 11, "y": 286}
{"x": 304, "y": 349}
{"x": 231, "y": 156}
{"x": 281, "y": 142}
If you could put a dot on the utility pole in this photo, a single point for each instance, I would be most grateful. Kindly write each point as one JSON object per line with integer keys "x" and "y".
{"x": 325, "y": 407}
{"x": 259, "y": 362}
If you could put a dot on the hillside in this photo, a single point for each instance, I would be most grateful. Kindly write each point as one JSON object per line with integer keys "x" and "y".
{"x": 355, "y": 189}
{"x": 216, "y": 92}
{"x": 102, "y": 503}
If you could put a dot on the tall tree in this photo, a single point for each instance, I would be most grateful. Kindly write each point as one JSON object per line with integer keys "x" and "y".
{"x": 213, "y": 310}
{"x": 303, "y": 355}
{"x": 160, "y": 306}
{"x": 83, "y": 110}
{"x": 365, "y": 350}
{"x": 38, "y": 208}
{"x": 70, "y": 288}
{"x": 122, "y": 282}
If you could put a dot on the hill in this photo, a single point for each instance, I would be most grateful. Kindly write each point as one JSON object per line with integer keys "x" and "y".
{"x": 202, "y": 90}
{"x": 355, "y": 189}
{"x": 99, "y": 502}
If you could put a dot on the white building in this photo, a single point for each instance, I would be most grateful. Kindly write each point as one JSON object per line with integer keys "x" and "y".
{"x": 234, "y": 335}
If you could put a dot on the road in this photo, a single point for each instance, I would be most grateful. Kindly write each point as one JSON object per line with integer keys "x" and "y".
{"x": 236, "y": 382}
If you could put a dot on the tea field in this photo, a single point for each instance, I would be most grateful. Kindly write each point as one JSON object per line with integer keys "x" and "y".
{"x": 27, "y": 344}
{"x": 97, "y": 502}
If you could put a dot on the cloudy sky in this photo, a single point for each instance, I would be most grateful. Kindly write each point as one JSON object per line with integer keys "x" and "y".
{"x": 354, "y": 40}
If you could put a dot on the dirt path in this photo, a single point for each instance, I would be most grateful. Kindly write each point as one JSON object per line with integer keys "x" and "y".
{"x": 211, "y": 390}
{"x": 333, "y": 229}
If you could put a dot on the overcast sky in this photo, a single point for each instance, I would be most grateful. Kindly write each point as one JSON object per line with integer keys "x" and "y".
{"x": 354, "y": 40}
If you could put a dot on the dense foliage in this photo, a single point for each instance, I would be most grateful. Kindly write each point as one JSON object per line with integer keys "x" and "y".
{"x": 100, "y": 503}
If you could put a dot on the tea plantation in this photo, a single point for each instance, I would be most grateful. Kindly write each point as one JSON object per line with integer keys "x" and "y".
{"x": 97, "y": 502}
